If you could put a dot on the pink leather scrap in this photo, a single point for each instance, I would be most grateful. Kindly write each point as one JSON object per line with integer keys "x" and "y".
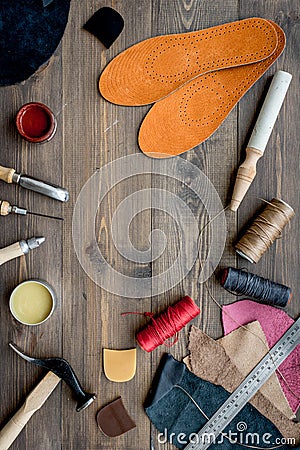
{"x": 274, "y": 323}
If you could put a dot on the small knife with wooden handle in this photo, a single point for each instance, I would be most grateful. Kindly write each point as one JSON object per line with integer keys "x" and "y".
{"x": 33, "y": 403}
{"x": 50, "y": 190}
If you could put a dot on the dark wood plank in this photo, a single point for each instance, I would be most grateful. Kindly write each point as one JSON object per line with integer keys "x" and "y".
{"x": 208, "y": 157}
{"x": 101, "y": 133}
{"x": 277, "y": 174}
{"x": 44, "y": 162}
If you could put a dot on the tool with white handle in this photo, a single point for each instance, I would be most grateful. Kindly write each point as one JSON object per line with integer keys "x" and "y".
{"x": 260, "y": 136}
{"x": 246, "y": 390}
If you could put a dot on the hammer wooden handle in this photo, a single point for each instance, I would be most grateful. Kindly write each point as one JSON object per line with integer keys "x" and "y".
{"x": 6, "y": 174}
{"x": 34, "y": 401}
{"x": 10, "y": 252}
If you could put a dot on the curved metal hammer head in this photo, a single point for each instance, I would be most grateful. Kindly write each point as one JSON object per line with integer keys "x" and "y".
{"x": 63, "y": 370}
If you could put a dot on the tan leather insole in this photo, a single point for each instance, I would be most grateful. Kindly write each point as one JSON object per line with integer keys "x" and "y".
{"x": 193, "y": 112}
{"x": 152, "y": 69}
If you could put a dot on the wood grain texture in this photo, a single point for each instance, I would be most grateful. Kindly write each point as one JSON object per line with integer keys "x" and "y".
{"x": 92, "y": 133}
{"x": 276, "y": 170}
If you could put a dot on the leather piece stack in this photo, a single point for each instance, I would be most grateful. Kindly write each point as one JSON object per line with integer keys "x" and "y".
{"x": 209, "y": 360}
{"x": 179, "y": 403}
{"x": 274, "y": 323}
{"x": 251, "y": 337}
{"x": 195, "y": 79}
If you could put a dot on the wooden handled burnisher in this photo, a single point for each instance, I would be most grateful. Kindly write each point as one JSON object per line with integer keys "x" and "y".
{"x": 260, "y": 136}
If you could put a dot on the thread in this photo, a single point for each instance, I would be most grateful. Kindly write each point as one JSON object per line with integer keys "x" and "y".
{"x": 245, "y": 283}
{"x": 223, "y": 434}
{"x": 167, "y": 324}
{"x": 218, "y": 304}
{"x": 265, "y": 229}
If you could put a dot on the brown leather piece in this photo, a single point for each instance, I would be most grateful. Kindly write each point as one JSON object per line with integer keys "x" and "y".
{"x": 193, "y": 112}
{"x": 152, "y": 69}
{"x": 114, "y": 420}
{"x": 209, "y": 361}
{"x": 246, "y": 346}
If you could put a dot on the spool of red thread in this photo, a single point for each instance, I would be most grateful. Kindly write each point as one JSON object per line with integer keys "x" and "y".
{"x": 36, "y": 122}
{"x": 167, "y": 324}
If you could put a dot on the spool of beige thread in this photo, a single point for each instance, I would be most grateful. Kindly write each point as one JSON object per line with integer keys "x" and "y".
{"x": 265, "y": 229}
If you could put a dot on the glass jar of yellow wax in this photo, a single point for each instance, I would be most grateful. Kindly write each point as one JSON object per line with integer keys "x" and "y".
{"x": 32, "y": 302}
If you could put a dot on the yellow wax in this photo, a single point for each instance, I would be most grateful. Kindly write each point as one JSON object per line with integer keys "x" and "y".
{"x": 31, "y": 302}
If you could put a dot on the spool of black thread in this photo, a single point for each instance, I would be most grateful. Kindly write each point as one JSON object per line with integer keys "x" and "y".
{"x": 258, "y": 288}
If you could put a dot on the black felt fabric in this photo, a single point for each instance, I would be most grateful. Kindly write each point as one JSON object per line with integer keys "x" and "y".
{"x": 29, "y": 35}
{"x": 106, "y": 24}
{"x": 169, "y": 408}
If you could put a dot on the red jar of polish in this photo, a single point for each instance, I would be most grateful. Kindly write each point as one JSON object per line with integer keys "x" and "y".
{"x": 36, "y": 122}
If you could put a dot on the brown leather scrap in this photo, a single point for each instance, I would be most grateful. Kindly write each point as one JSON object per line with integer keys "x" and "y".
{"x": 209, "y": 361}
{"x": 152, "y": 69}
{"x": 114, "y": 420}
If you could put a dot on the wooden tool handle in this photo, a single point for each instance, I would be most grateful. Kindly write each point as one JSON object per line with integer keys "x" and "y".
{"x": 10, "y": 252}
{"x": 244, "y": 177}
{"x": 4, "y": 208}
{"x": 13, "y": 428}
{"x": 6, "y": 174}
{"x": 260, "y": 135}
{"x": 33, "y": 402}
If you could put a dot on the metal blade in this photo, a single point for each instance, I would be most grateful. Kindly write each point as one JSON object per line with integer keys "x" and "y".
{"x": 44, "y": 215}
{"x": 48, "y": 189}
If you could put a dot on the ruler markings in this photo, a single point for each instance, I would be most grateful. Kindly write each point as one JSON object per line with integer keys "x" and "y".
{"x": 245, "y": 391}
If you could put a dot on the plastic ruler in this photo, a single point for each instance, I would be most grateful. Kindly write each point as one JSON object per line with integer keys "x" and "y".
{"x": 246, "y": 390}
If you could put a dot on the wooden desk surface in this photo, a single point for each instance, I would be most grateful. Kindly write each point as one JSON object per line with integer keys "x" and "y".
{"x": 91, "y": 133}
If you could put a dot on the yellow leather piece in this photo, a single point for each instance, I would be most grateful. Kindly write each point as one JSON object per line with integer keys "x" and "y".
{"x": 152, "y": 69}
{"x": 119, "y": 365}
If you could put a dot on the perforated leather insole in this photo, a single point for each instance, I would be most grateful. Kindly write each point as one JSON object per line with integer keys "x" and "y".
{"x": 193, "y": 112}
{"x": 152, "y": 69}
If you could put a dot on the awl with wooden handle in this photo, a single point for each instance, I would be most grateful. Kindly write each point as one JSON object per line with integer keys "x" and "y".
{"x": 9, "y": 175}
{"x": 260, "y": 136}
{"x": 6, "y": 208}
{"x": 34, "y": 402}
{"x": 19, "y": 249}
